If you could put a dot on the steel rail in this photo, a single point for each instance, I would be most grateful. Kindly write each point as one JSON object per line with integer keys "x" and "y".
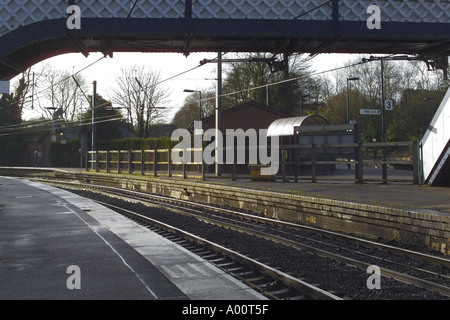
{"x": 285, "y": 278}
{"x": 363, "y": 242}
{"x": 324, "y": 253}
{"x": 298, "y": 246}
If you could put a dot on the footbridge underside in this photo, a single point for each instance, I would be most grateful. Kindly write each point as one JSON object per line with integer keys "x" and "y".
{"x": 31, "y": 31}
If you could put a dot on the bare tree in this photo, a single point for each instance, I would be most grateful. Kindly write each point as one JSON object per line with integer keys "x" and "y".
{"x": 26, "y": 90}
{"x": 138, "y": 91}
{"x": 47, "y": 90}
{"x": 63, "y": 94}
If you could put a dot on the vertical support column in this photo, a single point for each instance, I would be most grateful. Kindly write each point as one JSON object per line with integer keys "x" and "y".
{"x": 296, "y": 164}
{"x": 203, "y": 166}
{"x": 219, "y": 114}
{"x": 119, "y": 161}
{"x": 188, "y": 26}
{"x": 107, "y": 161}
{"x": 94, "y": 125}
{"x": 155, "y": 162}
{"x": 97, "y": 163}
{"x": 169, "y": 162}
{"x": 335, "y": 15}
{"x": 142, "y": 162}
{"x": 313, "y": 163}
{"x": 130, "y": 162}
{"x": 383, "y": 127}
{"x": 359, "y": 167}
{"x": 415, "y": 160}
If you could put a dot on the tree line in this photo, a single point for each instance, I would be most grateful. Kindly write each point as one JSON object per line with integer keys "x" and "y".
{"x": 59, "y": 95}
{"x": 139, "y": 101}
{"x": 415, "y": 91}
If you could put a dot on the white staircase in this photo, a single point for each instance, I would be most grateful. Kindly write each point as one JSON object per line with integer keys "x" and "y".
{"x": 436, "y": 146}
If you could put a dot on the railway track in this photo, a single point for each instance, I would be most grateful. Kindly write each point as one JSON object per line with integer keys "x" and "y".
{"x": 269, "y": 281}
{"x": 410, "y": 268}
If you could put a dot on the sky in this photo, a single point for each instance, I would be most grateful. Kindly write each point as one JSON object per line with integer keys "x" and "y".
{"x": 107, "y": 70}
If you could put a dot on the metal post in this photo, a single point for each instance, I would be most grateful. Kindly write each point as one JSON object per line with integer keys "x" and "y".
{"x": 119, "y": 161}
{"x": 218, "y": 112}
{"x": 359, "y": 168}
{"x": 203, "y": 166}
{"x": 313, "y": 163}
{"x": 420, "y": 163}
{"x": 142, "y": 162}
{"x": 97, "y": 163}
{"x": 169, "y": 164}
{"x": 130, "y": 162}
{"x": 348, "y": 102}
{"x": 94, "y": 126}
{"x": 415, "y": 162}
{"x": 200, "y": 105}
{"x": 107, "y": 161}
{"x": 383, "y": 127}
{"x": 155, "y": 162}
{"x": 296, "y": 160}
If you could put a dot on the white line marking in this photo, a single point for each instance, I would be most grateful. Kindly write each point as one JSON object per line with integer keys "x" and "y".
{"x": 120, "y": 256}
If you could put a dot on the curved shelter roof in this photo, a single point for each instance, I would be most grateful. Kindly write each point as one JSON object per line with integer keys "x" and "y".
{"x": 285, "y": 126}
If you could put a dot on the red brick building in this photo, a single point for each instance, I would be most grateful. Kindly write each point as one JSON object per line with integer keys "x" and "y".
{"x": 245, "y": 116}
{"x": 250, "y": 115}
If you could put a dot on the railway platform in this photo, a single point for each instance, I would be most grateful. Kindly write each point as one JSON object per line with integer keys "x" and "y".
{"x": 57, "y": 245}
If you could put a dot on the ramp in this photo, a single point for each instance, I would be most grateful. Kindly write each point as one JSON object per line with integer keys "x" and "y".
{"x": 436, "y": 146}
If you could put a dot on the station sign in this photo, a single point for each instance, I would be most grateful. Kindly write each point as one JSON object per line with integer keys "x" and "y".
{"x": 388, "y": 105}
{"x": 375, "y": 112}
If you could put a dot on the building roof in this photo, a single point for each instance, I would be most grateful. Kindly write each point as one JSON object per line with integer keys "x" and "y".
{"x": 250, "y": 103}
{"x": 231, "y": 111}
{"x": 285, "y": 126}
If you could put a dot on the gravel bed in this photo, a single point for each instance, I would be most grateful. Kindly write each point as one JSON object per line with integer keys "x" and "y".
{"x": 343, "y": 280}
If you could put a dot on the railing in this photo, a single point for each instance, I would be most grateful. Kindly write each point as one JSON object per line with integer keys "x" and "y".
{"x": 156, "y": 161}
{"x": 293, "y": 161}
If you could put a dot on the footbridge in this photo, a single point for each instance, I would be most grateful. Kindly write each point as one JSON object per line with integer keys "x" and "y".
{"x": 33, "y": 30}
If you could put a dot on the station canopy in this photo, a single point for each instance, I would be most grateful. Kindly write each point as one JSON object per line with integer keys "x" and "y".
{"x": 285, "y": 126}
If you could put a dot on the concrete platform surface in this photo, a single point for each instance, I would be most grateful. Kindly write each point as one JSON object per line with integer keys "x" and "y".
{"x": 57, "y": 245}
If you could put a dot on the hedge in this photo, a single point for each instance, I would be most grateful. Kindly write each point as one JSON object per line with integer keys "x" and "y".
{"x": 68, "y": 154}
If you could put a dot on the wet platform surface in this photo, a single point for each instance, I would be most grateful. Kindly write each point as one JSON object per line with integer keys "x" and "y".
{"x": 57, "y": 245}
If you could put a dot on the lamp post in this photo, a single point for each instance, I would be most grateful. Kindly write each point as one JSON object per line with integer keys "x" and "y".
{"x": 349, "y": 79}
{"x": 94, "y": 126}
{"x": 199, "y": 102}
{"x": 301, "y": 102}
{"x": 383, "y": 126}
{"x": 219, "y": 153}
{"x": 383, "y": 123}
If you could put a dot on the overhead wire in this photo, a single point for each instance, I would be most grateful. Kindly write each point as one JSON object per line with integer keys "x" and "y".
{"x": 89, "y": 65}
{"x": 45, "y": 126}
{"x": 285, "y": 81}
{"x": 167, "y": 79}
{"x": 200, "y": 65}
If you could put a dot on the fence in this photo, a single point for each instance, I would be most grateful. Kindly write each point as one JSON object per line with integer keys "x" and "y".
{"x": 318, "y": 158}
{"x": 158, "y": 162}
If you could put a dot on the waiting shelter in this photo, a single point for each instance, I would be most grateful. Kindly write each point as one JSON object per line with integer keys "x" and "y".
{"x": 311, "y": 138}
